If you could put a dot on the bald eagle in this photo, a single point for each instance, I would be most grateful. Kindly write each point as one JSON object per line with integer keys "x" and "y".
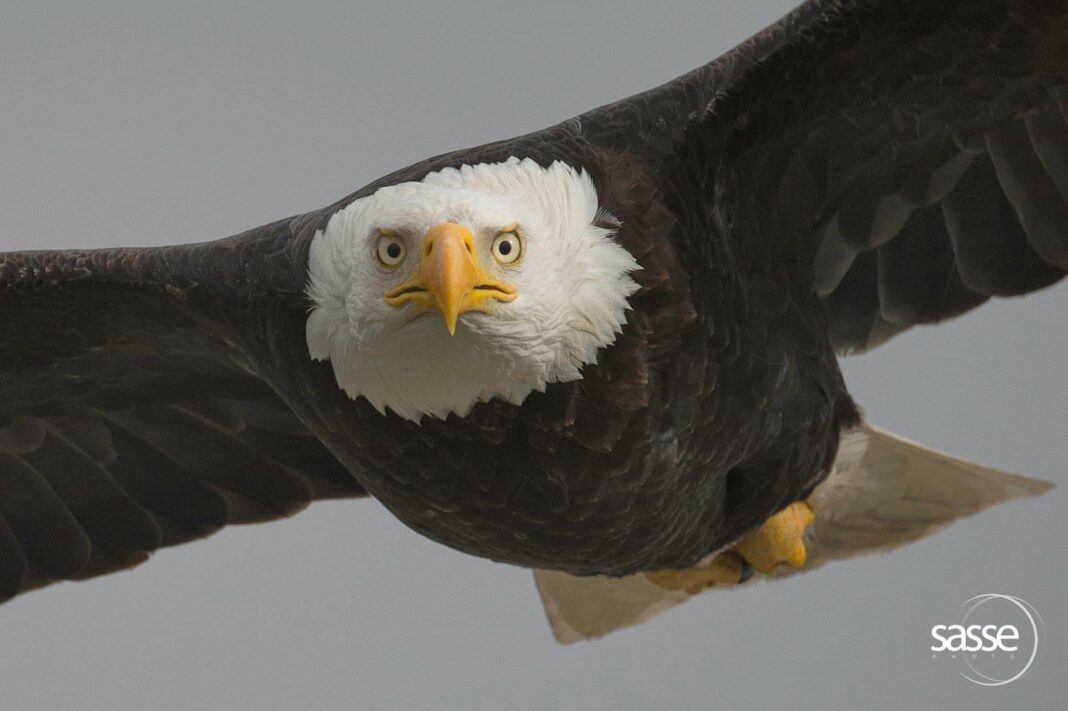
{"x": 605, "y": 350}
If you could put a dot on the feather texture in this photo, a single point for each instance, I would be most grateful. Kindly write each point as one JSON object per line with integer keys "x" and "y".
{"x": 127, "y": 423}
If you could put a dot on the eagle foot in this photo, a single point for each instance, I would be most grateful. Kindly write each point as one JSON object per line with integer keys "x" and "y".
{"x": 727, "y": 568}
{"x": 779, "y": 541}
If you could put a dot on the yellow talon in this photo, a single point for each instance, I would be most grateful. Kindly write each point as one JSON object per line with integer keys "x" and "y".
{"x": 727, "y": 568}
{"x": 779, "y": 541}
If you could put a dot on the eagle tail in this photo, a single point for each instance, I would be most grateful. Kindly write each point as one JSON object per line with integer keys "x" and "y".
{"x": 884, "y": 491}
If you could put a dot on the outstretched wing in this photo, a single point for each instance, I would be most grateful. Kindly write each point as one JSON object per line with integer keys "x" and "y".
{"x": 915, "y": 152}
{"x": 130, "y": 416}
{"x": 924, "y": 146}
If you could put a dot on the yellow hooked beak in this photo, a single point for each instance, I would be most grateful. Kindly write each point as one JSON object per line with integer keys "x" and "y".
{"x": 450, "y": 279}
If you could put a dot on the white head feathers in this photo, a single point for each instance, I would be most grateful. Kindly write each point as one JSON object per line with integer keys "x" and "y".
{"x": 572, "y": 283}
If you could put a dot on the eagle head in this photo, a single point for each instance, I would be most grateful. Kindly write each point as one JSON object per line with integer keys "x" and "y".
{"x": 478, "y": 282}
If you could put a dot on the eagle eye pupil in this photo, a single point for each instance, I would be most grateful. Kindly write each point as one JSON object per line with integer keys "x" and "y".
{"x": 505, "y": 247}
{"x": 393, "y": 250}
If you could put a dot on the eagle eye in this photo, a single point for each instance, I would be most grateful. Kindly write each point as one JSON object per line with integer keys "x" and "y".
{"x": 391, "y": 250}
{"x": 507, "y": 247}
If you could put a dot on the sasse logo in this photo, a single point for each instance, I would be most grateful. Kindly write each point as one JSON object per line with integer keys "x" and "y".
{"x": 996, "y": 641}
{"x": 975, "y": 638}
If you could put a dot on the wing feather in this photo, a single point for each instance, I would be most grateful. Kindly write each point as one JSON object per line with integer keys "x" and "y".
{"x": 878, "y": 127}
{"x": 130, "y": 416}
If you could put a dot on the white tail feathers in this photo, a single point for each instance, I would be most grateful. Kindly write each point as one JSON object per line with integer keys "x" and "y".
{"x": 884, "y": 492}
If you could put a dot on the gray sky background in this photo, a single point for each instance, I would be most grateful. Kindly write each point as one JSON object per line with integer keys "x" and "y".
{"x": 125, "y": 125}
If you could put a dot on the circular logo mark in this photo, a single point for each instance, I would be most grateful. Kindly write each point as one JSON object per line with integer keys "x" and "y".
{"x": 996, "y": 641}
